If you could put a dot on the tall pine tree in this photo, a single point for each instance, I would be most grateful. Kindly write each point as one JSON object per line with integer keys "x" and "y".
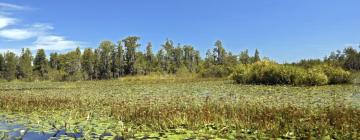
{"x": 41, "y": 64}
{"x": 25, "y": 67}
{"x": 10, "y": 66}
{"x": 2, "y": 65}
{"x": 130, "y": 56}
{"x": 87, "y": 63}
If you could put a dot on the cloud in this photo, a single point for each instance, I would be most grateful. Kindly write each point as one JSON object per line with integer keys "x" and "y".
{"x": 40, "y": 33}
{"x": 17, "y": 34}
{"x": 6, "y": 21}
{"x": 8, "y": 6}
{"x": 53, "y": 42}
{"x": 35, "y": 30}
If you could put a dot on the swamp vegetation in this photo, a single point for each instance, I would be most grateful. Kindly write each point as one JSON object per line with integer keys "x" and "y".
{"x": 176, "y": 108}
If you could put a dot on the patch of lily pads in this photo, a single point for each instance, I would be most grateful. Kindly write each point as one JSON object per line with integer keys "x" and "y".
{"x": 36, "y": 125}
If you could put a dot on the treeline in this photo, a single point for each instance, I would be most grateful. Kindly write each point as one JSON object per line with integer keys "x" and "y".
{"x": 349, "y": 59}
{"x": 107, "y": 61}
{"x": 113, "y": 60}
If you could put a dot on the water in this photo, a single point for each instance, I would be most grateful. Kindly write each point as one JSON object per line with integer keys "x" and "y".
{"x": 9, "y": 129}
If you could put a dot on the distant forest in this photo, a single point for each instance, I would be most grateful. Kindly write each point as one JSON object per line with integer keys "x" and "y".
{"x": 113, "y": 60}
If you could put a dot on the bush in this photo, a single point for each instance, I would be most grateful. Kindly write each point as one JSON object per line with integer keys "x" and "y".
{"x": 336, "y": 75}
{"x": 240, "y": 74}
{"x": 315, "y": 77}
{"x": 271, "y": 73}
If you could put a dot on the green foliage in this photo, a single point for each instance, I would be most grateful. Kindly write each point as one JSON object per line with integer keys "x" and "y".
{"x": 244, "y": 57}
{"x": 2, "y": 65}
{"x": 309, "y": 63}
{"x": 105, "y": 63}
{"x": 110, "y": 61}
{"x": 316, "y": 77}
{"x": 87, "y": 63}
{"x": 41, "y": 64}
{"x": 54, "y": 61}
{"x": 267, "y": 72}
{"x": 336, "y": 75}
{"x": 71, "y": 64}
{"x": 256, "y": 56}
{"x": 348, "y": 59}
{"x": 219, "y": 53}
{"x": 355, "y": 76}
{"x": 150, "y": 59}
{"x": 271, "y": 73}
{"x": 10, "y": 66}
{"x": 131, "y": 44}
{"x": 216, "y": 71}
{"x": 25, "y": 68}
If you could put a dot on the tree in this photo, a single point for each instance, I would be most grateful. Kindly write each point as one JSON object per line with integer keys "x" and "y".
{"x": 168, "y": 62}
{"x": 149, "y": 59}
{"x": 231, "y": 60}
{"x": 25, "y": 67}
{"x": 177, "y": 62}
{"x": 244, "y": 57}
{"x": 71, "y": 64}
{"x": 54, "y": 61}
{"x": 41, "y": 64}
{"x": 352, "y": 59}
{"x": 197, "y": 61}
{"x": 130, "y": 56}
{"x": 118, "y": 64}
{"x": 97, "y": 64}
{"x": 209, "y": 59}
{"x": 10, "y": 66}
{"x": 256, "y": 56}
{"x": 140, "y": 63}
{"x": 2, "y": 65}
{"x": 87, "y": 63}
{"x": 106, "y": 47}
{"x": 161, "y": 62}
{"x": 189, "y": 57}
{"x": 219, "y": 52}
{"x": 120, "y": 60}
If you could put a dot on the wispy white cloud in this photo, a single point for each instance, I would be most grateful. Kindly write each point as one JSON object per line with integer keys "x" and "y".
{"x": 8, "y": 6}
{"x": 41, "y": 33}
{"x": 6, "y": 21}
{"x": 17, "y": 34}
{"x": 35, "y": 30}
{"x": 53, "y": 42}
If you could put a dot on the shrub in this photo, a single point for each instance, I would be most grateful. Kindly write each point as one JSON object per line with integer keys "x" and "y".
{"x": 336, "y": 75}
{"x": 315, "y": 77}
{"x": 271, "y": 73}
{"x": 262, "y": 72}
{"x": 240, "y": 74}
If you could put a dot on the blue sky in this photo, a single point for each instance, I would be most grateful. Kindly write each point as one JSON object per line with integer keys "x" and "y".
{"x": 284, "y": 30}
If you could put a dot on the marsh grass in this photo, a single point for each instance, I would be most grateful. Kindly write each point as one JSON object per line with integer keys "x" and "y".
{"x": 203, "y": 107}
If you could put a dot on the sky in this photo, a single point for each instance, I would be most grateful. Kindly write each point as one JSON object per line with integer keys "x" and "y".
{"x": 283, "y": 30}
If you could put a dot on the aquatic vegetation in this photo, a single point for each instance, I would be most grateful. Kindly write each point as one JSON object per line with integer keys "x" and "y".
{"x": 177, "y": 109}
